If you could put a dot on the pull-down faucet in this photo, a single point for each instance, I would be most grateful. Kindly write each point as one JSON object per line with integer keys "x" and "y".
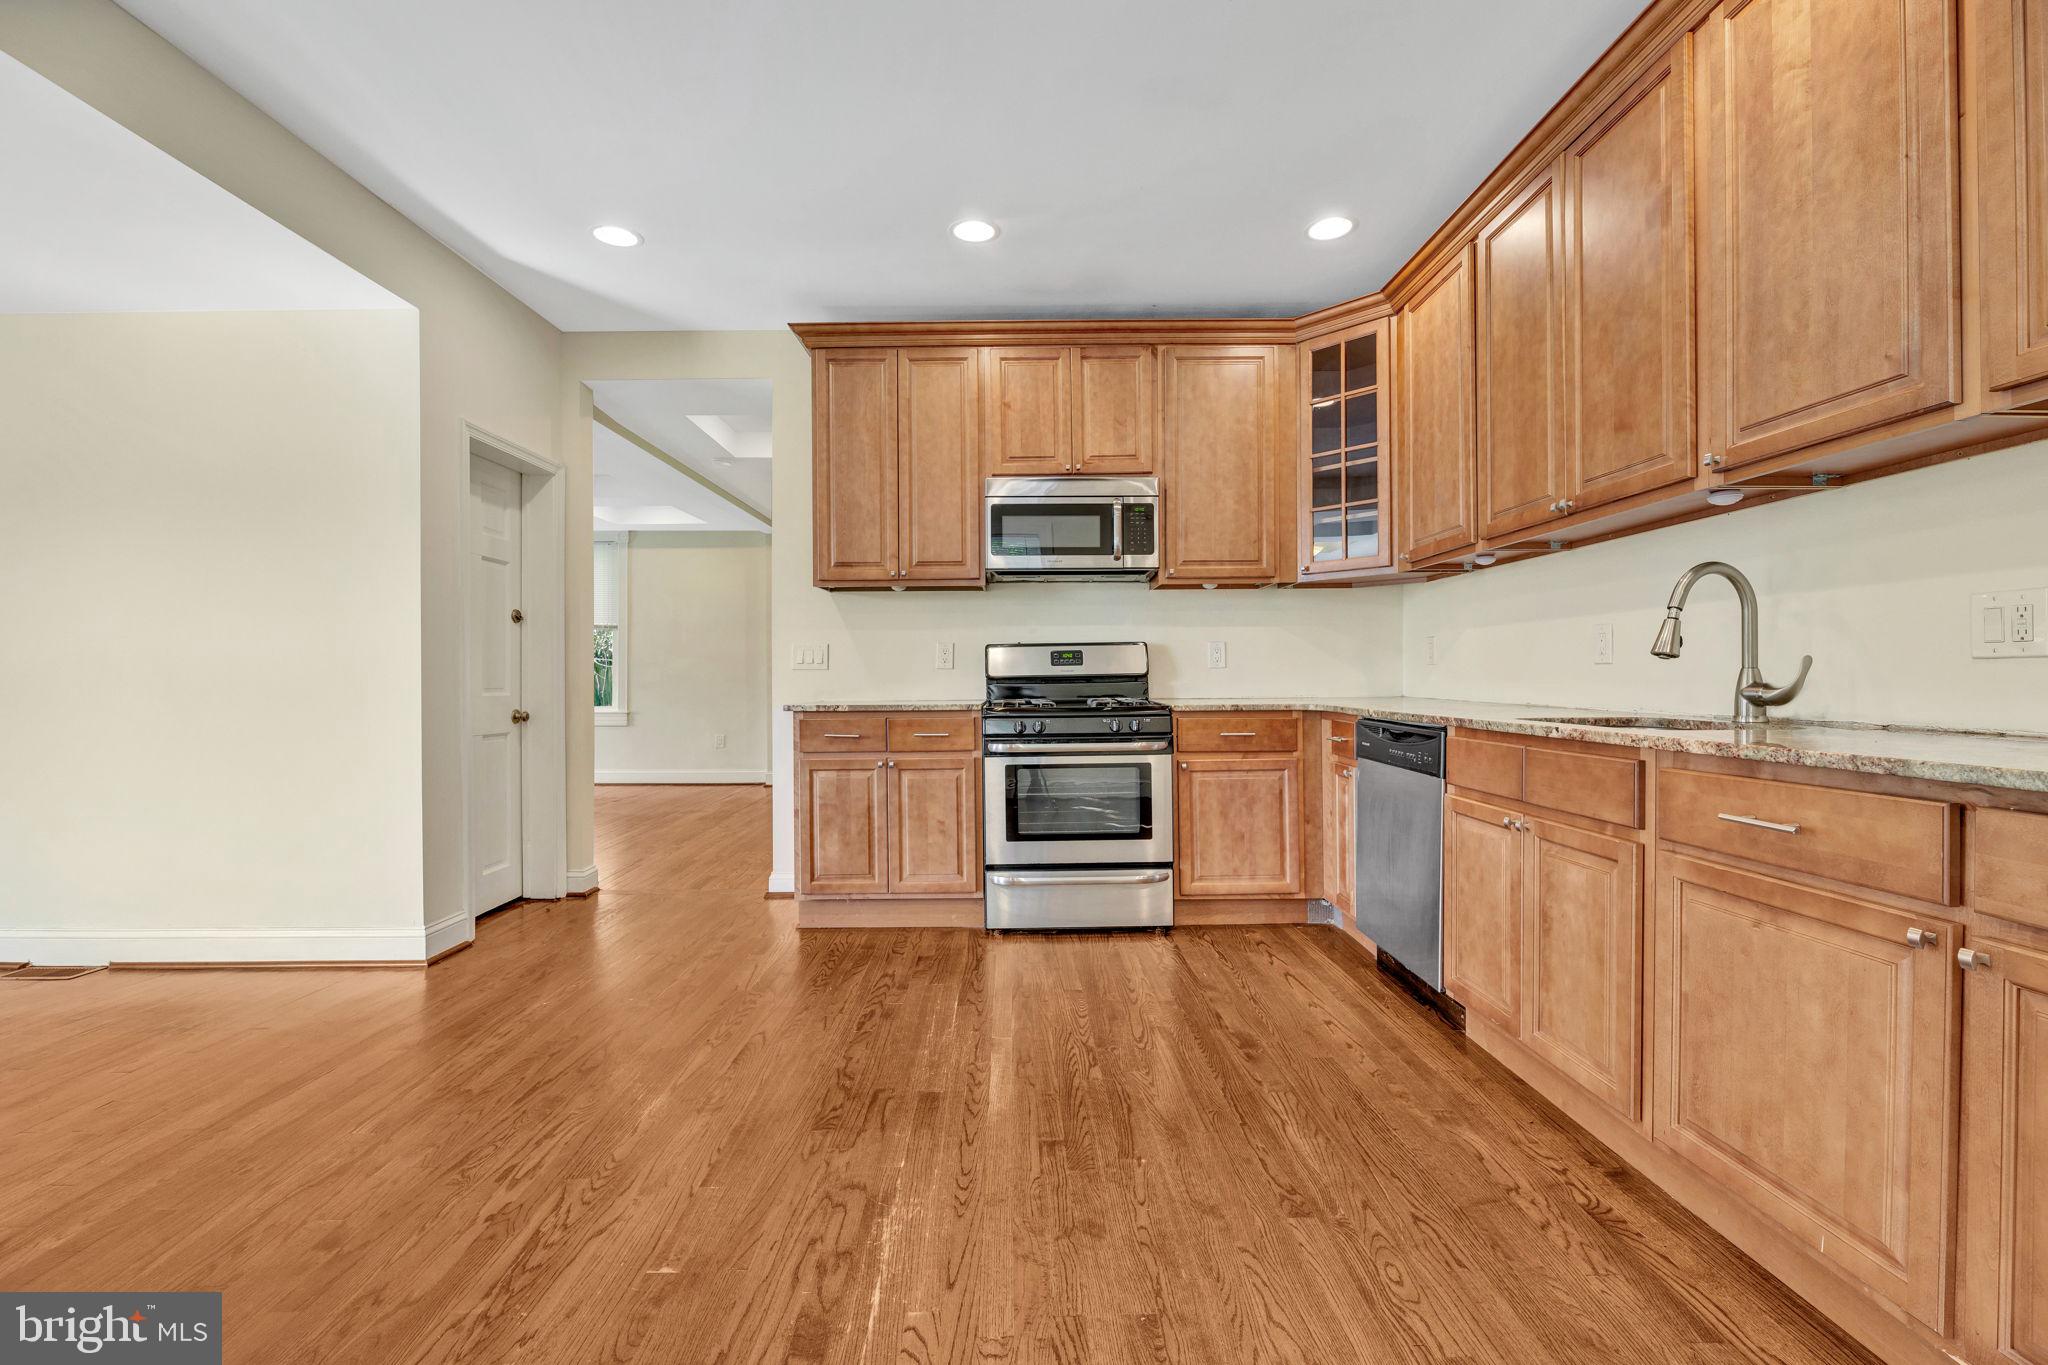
{"x": 1752, "y": 693}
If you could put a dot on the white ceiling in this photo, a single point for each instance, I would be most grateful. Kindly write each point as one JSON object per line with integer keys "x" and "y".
{"x": 791, "y": 160}
{"x": 632, "y": 490}
{"x": 96, "y": 220}
{"x": 663, "y": 412}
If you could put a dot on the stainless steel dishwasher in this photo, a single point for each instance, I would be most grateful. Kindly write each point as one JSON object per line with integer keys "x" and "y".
{"x": 1400, "y": 888}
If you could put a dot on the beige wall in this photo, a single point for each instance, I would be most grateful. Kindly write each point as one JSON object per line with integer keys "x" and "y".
{"x": 697, "y": 661}
{"x": 211, "y": 656}
{"x": 1874, "y": 581}
{"x": 484, "y": 357}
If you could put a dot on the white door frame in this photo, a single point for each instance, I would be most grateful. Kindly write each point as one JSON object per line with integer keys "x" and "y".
{"x": 544, "y": 757}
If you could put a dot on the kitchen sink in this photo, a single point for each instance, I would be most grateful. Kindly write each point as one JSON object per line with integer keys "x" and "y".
{"x": 1637, "y": 722}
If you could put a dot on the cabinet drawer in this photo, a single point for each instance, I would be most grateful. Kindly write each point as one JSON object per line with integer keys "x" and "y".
{"x": 1339, "y": 736}
{"x": 1239, "y": 732}
{"x": 1483, "y": 765}
{"x": 2007, "y": 874}
{"x": 841, "y": 732}
{"x": 934, "y": 731}
{"x": 1889, "y": 843}
{"x": 1609, "y": 789}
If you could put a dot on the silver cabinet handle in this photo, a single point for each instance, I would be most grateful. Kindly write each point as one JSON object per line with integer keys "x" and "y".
{"x": 1079, "y": 878}
{"x": 1340, "y": 739}
{"x": 1969, "y": 959}
{"x": 878, "y": 763}
{"x": 1754, "y": 823}
{"x": 892, "y": 762}
{"x": 931, "y": 734}
{"x": 1923, "y": 938}
{"x": 830, "y": 735}
{"x": 1507, "y": 822}
{"x": 1710, "y": 460}
{"x": 1237, "y": 734}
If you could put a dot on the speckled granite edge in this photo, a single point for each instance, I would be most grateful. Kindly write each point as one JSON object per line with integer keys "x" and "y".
{"x": 2013, "y": 761}
{"x": 967, "y": 704}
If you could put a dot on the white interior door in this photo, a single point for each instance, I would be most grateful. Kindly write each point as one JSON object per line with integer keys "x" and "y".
{"x": 495, "y": 817}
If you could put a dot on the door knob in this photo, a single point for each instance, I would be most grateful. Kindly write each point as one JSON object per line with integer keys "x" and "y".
{"x": 520, "y": 717}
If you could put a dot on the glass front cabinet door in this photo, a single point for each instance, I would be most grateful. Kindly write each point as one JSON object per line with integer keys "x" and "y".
{"x": 1345, "y": 526}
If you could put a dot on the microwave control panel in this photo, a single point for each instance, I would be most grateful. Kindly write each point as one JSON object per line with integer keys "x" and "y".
{"x": 1141, "y": 532}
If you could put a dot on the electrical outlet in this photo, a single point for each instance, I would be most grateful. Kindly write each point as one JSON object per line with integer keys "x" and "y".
{"x": 1218, "y": 656}
{"x": 810, "y": 656}
{"x": 943, "y": 656}
{"x": 1603, "y": 644}
{"x": 718, "y": 740}
{"x": 1429, "y": 650}
{"x": 2006, "y": 625}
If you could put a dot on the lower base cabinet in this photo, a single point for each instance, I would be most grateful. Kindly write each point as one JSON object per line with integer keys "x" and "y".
{"x": 1237, "y": 826}
{"x": 1340, "y": 834}
{"x": 934, "y": 825}
{"x": 844, "y": 806}
{"x": 1805, "y": 1062}
{"x": 2005, "y": 1134}
{"x": 881, "y": 825}
{"x": 1543, "y": 938}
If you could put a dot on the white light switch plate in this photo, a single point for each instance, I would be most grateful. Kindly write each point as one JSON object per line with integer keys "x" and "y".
{"x": 1429, "y": 650}
{"x": 2007, "y": 625}
{"x": 942, "y": 657}
{"x": 810, "y": 656}
{"x": 1219, "y": 657}
{"x": 1603, "y": 644}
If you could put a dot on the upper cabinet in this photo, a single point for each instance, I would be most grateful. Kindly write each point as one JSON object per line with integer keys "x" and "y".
{"x": 1520, "y": 308}
{"x": 1343, "y": 482}
{"x": 1827, "y": 209}
{"x": 896, "y": 463}
{"x": 1438, "y": 432}
{"x": 2012, "y": 157}
{"x": 1057, "y": 410}
{"x": 1223, "y": 446}
{"x": 1628, "y": 314}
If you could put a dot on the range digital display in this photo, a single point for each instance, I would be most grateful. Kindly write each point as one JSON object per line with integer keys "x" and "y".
{"x": 1066, "y": 658}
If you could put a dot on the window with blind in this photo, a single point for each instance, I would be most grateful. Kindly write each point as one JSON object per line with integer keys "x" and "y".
{"x": 608, "y": 626}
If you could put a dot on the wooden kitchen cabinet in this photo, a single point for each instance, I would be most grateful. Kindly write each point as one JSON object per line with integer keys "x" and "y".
{"x": 1030, "y": 432}
{"x": 1484, "y": 864}
{"x": 1237, "y": 826}
{"x": 1438, "y": 425}
{"x": 1519, "y": 281}
{"x": 902, "y": 818}
{"x": 1116, "y": 410}
{"x": 1344, "y": 492}
{"x": 2004, "y": 1307}
{"x": 1628, "y": 293}
{"x": 1221, "y": 453}
{"x": 1827, "y": 204}
{"x": 1806, "y": 1062}
{"x": 896, "y": 467}
{"x": 1582, "y": 959}
{"x": 2011, "y": 72}
{"x": 842, "y": 849}
{"x": 935, "y": 824}
{"x": 1340, "y": 834}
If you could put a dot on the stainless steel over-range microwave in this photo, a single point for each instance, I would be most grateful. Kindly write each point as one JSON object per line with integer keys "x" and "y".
{"x": 1072, "y": 529}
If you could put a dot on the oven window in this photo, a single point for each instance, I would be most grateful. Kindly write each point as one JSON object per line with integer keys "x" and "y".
{"x": 1072, "y": 801}
{"x": 1037, "y": 528}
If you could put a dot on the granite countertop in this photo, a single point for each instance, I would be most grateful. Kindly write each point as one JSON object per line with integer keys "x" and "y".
{"x": 963, "y": 704}
{"x": 2018, "y": 761}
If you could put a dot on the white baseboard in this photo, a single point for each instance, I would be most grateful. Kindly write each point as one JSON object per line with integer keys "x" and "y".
{"x": 582, "y": 880}
{"x": 451, "y": 932}
{"x": 673, "y": 776}
{"x": 95, "y": 947}
{"x": 782, "y": 883}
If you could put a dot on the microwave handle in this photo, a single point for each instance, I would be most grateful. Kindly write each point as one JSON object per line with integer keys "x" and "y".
{"x": 1116, "y": 529}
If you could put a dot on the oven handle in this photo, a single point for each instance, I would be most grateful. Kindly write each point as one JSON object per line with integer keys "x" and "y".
{"x": 1012, "y": 747}
{"x": 1079, "y": 878}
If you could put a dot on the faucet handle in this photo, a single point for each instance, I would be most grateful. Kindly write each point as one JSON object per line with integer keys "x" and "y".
{"x": 1763, "y": 694}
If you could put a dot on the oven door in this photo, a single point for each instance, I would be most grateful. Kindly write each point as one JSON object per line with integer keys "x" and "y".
{"x": 1108, "y": 807}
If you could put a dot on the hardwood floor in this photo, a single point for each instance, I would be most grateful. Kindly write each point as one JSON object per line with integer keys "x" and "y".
{"x": 659, "y": 1126}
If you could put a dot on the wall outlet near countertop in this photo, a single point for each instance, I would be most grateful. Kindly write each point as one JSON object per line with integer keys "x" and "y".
{"x": 1603, "y": 644}
{"x": 1219, "y": 656}
{"x": 2007, "y": 625}
{"x": 718, "y": 740}
{"x": 1429, "y": 650}
{"x": 942, "y": 656}
{"x": 810, "y": 656}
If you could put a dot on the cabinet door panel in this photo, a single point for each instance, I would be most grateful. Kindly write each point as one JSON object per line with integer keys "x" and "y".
{"x": 1628, "y": 318}
{"x": 1828, "y": 255}
{"x": 1030, "y": 410}
{"x": 1116, "y": 407}
{"x": 939, "y": 465}
{"x": 1219, "y": 474}
{"x": 1483, "y": 869}
{"x": 2012, "y": 133}
{"x": 854, "y": 467}
{"x": 935, "y": 825}
{"x": 2005, "y": 1134}
{"x": 1237, "y": 826}
{"x": 1583, "y": 982}
{"x": 842, "y": 820}
{"x": 1806, "y": 1062}
{"x": 1520, "y": 307}
{"x": 1439, "y": 437}
{"x": 1340, "y": 835}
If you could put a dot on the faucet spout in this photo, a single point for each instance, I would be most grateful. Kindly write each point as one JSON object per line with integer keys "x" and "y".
{"x": 1752, "y": 694}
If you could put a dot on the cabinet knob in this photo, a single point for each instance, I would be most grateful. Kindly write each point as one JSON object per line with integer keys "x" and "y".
{"x": 1969, "y": 959}
{"x": 1923, "y": 938}
{"x": 1710, "y": 460}
{"x": 878, "y": 763}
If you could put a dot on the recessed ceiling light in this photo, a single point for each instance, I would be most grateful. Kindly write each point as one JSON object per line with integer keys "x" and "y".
{"x": 1330, "y": 229}
{"x": 975, "y": 230}
{"x": 611, "y": 234}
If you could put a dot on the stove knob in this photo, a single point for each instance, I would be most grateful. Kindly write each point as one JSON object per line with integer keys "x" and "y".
{"x": 1115, "y": 726}
{"x": 1038, "y": 727}
{"x": 1019, "y": 727}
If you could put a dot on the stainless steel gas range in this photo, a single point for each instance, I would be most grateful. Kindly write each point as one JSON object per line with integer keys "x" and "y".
{"x": 1078, "y": 772}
